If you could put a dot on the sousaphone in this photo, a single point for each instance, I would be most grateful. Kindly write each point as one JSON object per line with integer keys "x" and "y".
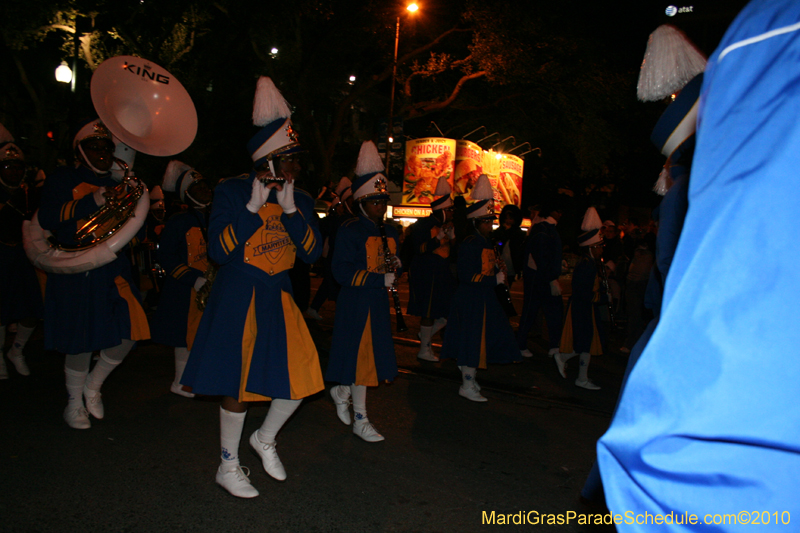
{"x": 148, "y": 109}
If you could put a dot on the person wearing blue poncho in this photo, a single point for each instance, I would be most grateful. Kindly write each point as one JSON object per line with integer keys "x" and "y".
{"x": 701, "y": 428}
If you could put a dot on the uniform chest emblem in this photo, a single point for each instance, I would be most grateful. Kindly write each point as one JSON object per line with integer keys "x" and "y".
{"x": 274, "y": 240}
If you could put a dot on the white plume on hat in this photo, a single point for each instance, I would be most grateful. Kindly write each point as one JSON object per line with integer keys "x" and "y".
{"x": 670, "y": 62}
{"x": 482, "y": 189}
{"x": 5, "y": 135}
{"x": 343, "y": 190}
{"x": 591, "y": 220}
{"x": 268, "y": 104}
{"x": 442, "y": 187}
{"x": 174, "y": 170}
{"x": 369, "y": 161}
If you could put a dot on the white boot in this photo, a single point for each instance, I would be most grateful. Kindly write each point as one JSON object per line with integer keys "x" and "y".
{"x": 340, "y": 394}
{"x": 438, "y": 324}
{"x": 181, "y": 358}
{"x": 583, "y": 377}
{"x": 469, "y": 388}
{"x": 15, "y": 353}
{"x": 425, "y": 350}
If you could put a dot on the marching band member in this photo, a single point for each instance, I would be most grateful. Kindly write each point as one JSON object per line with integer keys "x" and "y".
{"x": 362, "y": 349}
{"x": 478, "y": 330}
{"x": 340, "y": 211}
{"x": 253, "y": 343}
{"x": 430, "y": 278}
{"x": 20, "y": 295}
{"x": 580, "y": 334}
{"x": 95, "y": 310}
{"x": 183, "y": 255}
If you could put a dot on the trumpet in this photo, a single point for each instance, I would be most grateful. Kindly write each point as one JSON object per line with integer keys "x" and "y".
{"x": 201, "y": 298}
{"x": 387, "y": 258}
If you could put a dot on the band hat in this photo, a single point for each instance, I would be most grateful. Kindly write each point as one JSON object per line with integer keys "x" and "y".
{"x": 178, "y": 177}
{"x": 483, "y": 195}
{"x": 343, "y": 190}
{"x": 9, "y": 150}
{"x": 679, "y": 121}
{"x": 591, "y": 228}
{"x": 272, "y": 114}
{"x": 671, "y": 60}
{"x": 443, "y": 190}
{"x": 156, "y": 197}
{"x": 92, "y": 129}
{"x": 370, "y": 181}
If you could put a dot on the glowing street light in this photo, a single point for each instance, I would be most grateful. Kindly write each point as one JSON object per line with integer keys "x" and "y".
{"x": 63, "y": 73}
{"x": 412, "y": 8}
{"x": 273, "y": 52}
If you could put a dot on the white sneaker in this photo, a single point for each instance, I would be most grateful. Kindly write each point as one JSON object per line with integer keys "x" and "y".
{"x": 342, "y": 404}
{"x": 586, "y": 384}
{"x": 471, "y": 393}
{"x": 236, "y": 481}
{"x": 313, "y": 313}
{"x": 561, "y": 364}
{"x": 3, "y": 369}
{"x": 77, "y": 417}
{"x": 526, "y": 353}
{"x": 426, "y": 354}
{"x": 177, "y": 388}
{"x": 18, "y": 360}
{"x": 364, "y": 429}
{"x": 269, "y": 457}
{"x": 94, "y": 402}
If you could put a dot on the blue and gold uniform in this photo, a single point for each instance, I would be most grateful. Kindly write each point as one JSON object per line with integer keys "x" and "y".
{"x": 478, "y": 331}
{"x": 430, "y": 278}
{"x": 183, "y": 254}
{"x": 90, "y": 310}
{"x": 362, "y": 349}
{"x": 253, "y": 343}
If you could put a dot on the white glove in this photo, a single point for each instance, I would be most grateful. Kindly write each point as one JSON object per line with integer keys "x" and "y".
{"x": 442, "y": 234}
{"x": 286, "y": 198}
{"x": 388, "y": 279}
{"x": 199, "y": 282}
{"x": 501, "y": 278}
{"x": 555, "y": 288}
{"x": 258, "y": 197}
{"x": 451, "y": 233}
{"x": 396, "y": 263}
{"x": 99, "y": 196}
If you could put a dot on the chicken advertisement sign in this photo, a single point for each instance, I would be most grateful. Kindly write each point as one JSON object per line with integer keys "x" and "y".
{"x": 427, "y": 160}
{"x": 509, "y": 180}
{"x": 469, "y": 166}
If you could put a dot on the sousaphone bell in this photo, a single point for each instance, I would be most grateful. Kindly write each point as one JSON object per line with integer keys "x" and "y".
{"x": 147, "y": 109}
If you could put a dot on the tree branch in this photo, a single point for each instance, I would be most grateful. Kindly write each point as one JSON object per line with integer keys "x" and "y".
{"x": 422, "y": 108}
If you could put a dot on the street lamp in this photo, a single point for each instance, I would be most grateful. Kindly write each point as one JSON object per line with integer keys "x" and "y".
{"x": 63, "y": 73}
{"x": 411, "y": 8}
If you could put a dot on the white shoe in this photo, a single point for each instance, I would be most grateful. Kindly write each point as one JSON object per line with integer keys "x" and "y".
{"x": 586, "y": 384}
{"x": 364, "y": 429}
{"x": 94, "y": 402}
{"x": 471, "y": 393}
{"x": 3, "y": 369}
{"x": 342, "y": 404}
{"x": 269, "y": 457}
{"x": 426, "y": 354}
{"x": 177, "y": 388}
{"x": 313, "y": 313}
{"x": 236, "y": 481}
{"x": 561, "y": 364}
{"x": 77, "y": 417}
{"x": 18, "y": 360}
{"x": 526, "y": 353}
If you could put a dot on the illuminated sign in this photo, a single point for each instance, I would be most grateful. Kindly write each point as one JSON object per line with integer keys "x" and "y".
{"x": 400, "y": 211}
{"x": 427, "y": 160}
{"x": 671, "y": 11}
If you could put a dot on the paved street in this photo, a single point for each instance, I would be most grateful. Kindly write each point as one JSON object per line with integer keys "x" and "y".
{"x": 149, "y": 465}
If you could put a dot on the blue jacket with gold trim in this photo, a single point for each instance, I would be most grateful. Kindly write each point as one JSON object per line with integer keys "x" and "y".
{"x": 242, "y": 345}
{"x": 91, "y": 310}
{"x": 362, "y": 349}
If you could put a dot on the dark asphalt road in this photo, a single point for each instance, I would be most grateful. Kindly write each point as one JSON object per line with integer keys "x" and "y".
{"x": 150, "y": 464}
